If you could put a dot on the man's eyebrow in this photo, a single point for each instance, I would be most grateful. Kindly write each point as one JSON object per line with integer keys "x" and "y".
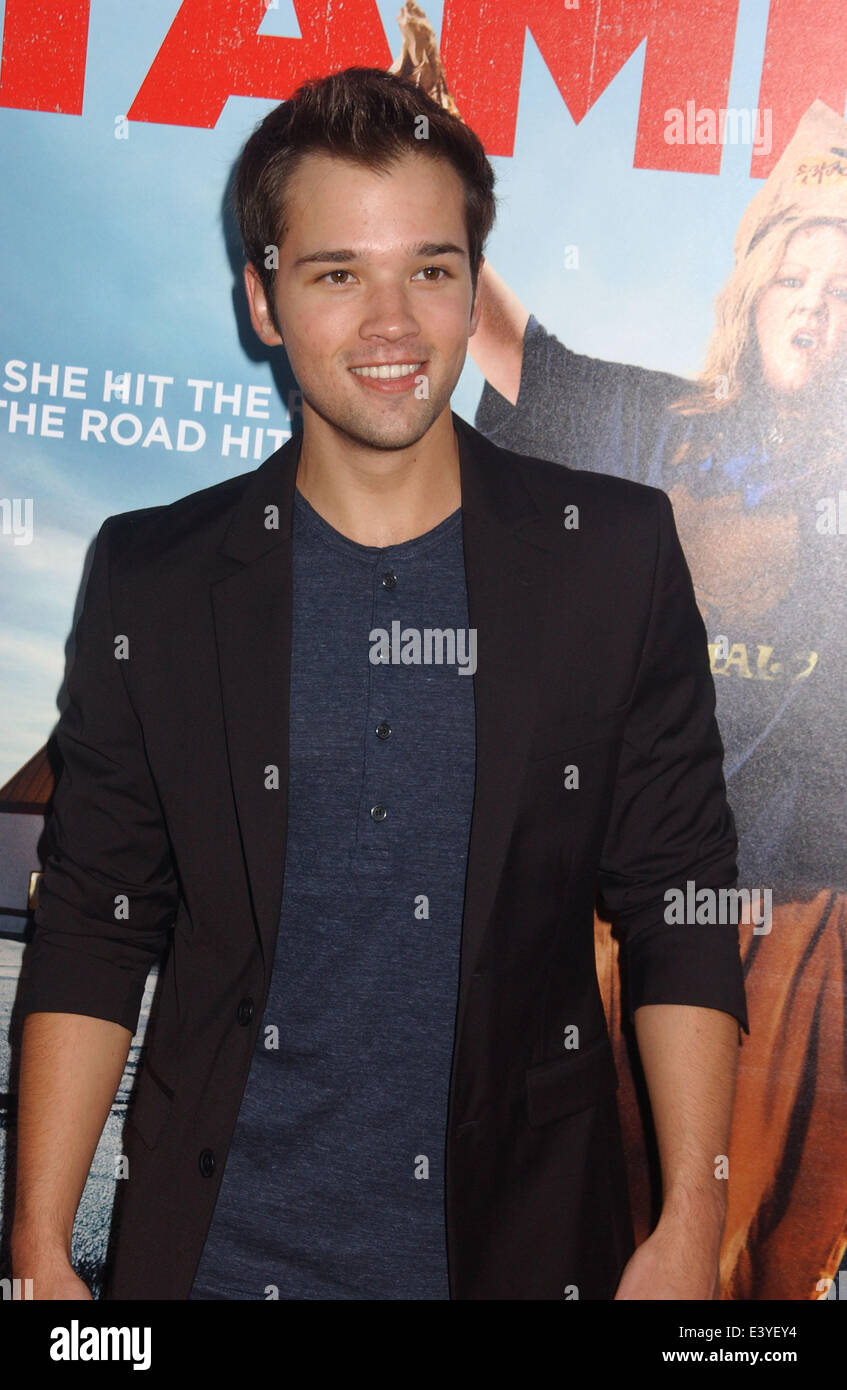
{"x": 424, "y": 248}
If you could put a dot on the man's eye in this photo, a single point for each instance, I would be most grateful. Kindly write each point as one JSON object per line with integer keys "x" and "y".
{"x": 335, "y": 272}
{"x": 439, "y": 269}
{"x": 840, "y": 292}
{"x": 791, "y": 282}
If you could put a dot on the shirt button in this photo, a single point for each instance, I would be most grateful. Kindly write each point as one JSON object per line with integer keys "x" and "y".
{"x": 207, "y": 1163}
{"x": 383, "y": 730}
{"x": 244, "y": 1012}
{"x": 389, "y": 579}
{"x": 378, "y": 813}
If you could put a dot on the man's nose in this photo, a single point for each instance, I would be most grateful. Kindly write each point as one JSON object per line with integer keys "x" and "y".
{"x": 388, "y": 314}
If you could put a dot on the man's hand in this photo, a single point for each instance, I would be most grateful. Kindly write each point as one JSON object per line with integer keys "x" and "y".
{"x": 61, "y": 1285}
{"x": 672, "y": 1264}
{"x": 52, "y": 1274}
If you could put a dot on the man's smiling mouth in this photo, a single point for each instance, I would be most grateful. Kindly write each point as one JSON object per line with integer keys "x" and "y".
{"x": 389, "y": 372}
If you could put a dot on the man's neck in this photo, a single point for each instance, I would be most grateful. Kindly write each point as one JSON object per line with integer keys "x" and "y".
{"x": 382, "y": 497}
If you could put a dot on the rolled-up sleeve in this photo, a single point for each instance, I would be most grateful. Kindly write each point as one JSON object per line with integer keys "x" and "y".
{"x": 108, "y": 893}
{"x": 670, "y": 824}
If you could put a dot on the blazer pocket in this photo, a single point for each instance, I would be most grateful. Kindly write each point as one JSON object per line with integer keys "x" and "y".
{"x": 150, "y": 1107}
{"x": 571, "y": 1082}
{"x": 550, "y": 739}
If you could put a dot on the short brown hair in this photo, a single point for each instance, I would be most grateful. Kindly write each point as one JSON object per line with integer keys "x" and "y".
{"x": 370, "y": 117}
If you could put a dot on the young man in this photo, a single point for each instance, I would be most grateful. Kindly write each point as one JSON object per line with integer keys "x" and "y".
{"x": 378, "y": 1065}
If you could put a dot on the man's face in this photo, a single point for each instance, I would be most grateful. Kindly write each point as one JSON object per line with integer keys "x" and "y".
{"x": 373, "y": 272}
{"x": 801, "y": 318}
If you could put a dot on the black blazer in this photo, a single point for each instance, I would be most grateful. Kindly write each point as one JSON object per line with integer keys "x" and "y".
{"x": 591, "y": 654}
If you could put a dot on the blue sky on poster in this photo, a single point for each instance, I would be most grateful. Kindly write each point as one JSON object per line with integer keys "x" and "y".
{"x": 113, "y": 257}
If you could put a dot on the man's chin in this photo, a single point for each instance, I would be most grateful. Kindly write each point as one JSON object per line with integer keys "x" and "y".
{"x": 388, "y": 434}
{"x": 393, "y": 440}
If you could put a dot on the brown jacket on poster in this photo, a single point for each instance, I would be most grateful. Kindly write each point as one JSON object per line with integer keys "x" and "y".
{"x": 591, "y": 654}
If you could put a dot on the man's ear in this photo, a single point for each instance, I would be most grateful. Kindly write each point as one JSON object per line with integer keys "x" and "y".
{"x": 260, "y": 314}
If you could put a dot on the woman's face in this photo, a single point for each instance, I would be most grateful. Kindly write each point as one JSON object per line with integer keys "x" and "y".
{"x": 801, "y": 318}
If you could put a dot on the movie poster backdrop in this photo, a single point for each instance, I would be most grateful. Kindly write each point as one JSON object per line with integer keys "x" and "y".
{"x": 664, "y": 298}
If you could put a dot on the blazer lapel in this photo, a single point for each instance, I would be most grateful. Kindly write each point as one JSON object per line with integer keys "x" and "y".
{"x": 508, "y": 592}
{"x": 253, "y": 625}
{"x": 508, "y": 604}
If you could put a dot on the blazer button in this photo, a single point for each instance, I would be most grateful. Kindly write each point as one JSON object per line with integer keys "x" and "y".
{"x": 244, "y": 1012}
{"x": 207, "y": 1163}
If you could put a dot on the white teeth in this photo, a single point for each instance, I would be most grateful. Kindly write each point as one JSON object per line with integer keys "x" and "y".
{"x": 388, "y": 373}
{"x": 803, "y": 340}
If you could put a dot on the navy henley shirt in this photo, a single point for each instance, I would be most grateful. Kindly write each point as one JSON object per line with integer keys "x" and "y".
{"x": 334, "y": 1184}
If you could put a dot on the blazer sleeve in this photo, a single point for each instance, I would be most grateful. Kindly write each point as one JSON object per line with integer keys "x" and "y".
{"x": 670, "y": 823}
{"x": 108, "y": 892}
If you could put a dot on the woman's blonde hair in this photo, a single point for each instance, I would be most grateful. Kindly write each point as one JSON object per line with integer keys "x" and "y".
{"x": 732, "y": 367}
